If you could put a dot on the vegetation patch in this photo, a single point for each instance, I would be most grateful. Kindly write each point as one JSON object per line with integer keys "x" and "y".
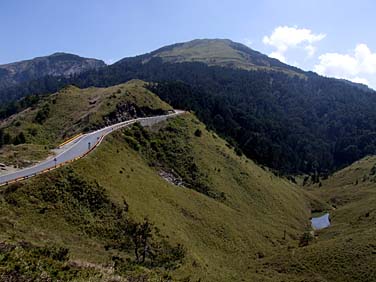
{"x": 50, "y": 120}
{"x": 168, "y": 149}
{"x": 85, "y": 206}
{"x": 23, "y": 262}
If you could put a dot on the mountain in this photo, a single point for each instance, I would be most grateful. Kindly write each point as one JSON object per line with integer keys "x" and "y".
{"x": 218, "y": 52}
{"x": 282, "y": 117}
{"x": 177, "y": 202}
{"x": 208, "y": 213}
{"x": 58, "y": 64}
{"x": 278, "y": 115}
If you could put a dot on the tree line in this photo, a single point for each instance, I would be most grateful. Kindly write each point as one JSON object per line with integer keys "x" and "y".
{"x": 291, "y": 123}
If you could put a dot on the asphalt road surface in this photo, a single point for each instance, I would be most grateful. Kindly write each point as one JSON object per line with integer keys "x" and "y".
{"x": 78, "y": 148}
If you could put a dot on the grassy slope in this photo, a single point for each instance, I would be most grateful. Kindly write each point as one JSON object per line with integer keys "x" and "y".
{"x": 224, "y": 239}
{"x": 72, "y": 110}
{"x": 347, "y": 250}
{"x": 206, "y": 51}
{"x": 240, "y": 238}
{"x": 214, "y": 52}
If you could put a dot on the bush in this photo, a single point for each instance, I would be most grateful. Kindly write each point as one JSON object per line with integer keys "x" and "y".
{"x": 56, "y": 253}
{"x": 86, "y": 205}
{"x": 42, "y": 114}
{"x": 305, "y": 239}
{"x": 19, "y": 139}
{"x": 238, "y": 152}
{"x": 198, "y": 133}
{"x": 132, "y": 142}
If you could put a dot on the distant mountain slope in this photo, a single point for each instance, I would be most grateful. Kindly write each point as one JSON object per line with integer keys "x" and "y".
{"x": 283, "y": 117}
{"x": 58, "y": 64}
{"x": 278, "y": 115}
{"x": 219, "y": 52}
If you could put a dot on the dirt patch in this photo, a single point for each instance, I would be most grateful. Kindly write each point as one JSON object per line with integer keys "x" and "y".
{"x": 5, "y": 169}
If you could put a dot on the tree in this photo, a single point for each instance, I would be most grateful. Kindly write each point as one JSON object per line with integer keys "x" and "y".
{"x": 42, "y": 114}
{"x": 305, "y": 239}
{"x": 198, "y": 132}
{"x": 141, "y": 234}
{"x": 1, "y": 137}
{"x": 19, "y": 139}
{"x": 7, "y": 138}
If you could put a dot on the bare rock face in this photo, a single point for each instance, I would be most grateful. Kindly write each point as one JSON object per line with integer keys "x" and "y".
{"x": 127, "y": 111}
{"x": 171, "y": 177}
{"x": 58, "y": 64}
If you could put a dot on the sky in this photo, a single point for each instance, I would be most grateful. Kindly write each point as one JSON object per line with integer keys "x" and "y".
{"x": 333, "y": 38}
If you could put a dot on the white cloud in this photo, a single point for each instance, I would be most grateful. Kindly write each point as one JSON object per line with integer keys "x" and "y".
{"x": 110, "y": 61}
{"x": 366, "y": 59}
{"x": 285, "y": 37}
{"x": 247, "y": 42}
{"x": 360, "y": 80}
{"x": 338, "y": 65}
{"x": 278, "y": 56}
{"x": 354, "y": 66}
{"x": 311, "y": 50}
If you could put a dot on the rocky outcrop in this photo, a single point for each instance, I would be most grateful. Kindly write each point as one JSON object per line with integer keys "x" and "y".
{"x": 126, "y": 111}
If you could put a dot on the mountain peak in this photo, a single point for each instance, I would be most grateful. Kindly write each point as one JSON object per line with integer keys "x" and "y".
{"x": 56, "y": 64}
{"x": 61, "y": 53}
{"x": 220, "y": 52}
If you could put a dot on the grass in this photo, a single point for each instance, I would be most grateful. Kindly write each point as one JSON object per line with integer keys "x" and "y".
{"x": 66, "y": 210}
{"x": 223, "y": 239}
{"x": 245, "y": 225}
{"x": 345, "y": 251}
{"x": 215, "y": 52}
{"x": 24, "y": 154}
{"x": 73, "y": 110}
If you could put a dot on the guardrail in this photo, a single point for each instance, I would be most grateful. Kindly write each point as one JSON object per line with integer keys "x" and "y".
{"x": 100, "y": 139}
{"x": 54, "y": 167}
{"x": 70, "y": 140}
{"x": 114, "y": 127}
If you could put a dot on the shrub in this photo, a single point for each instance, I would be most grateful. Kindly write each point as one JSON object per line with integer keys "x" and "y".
{"x": 42, "y": 114}
{"x": 132, "y": 142}
{"x": 198, "y": 132}
{"x": 238, "y": 151}
{"x": 19, "y": 139}
{"x": 305, "y": 239}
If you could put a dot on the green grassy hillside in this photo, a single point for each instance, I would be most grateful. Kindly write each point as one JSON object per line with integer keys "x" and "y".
{"x": 71, "y": 111}
{"x": 346, "y": 251}
{"x": 221, "y": 52}
{"x": 228, "y": 215}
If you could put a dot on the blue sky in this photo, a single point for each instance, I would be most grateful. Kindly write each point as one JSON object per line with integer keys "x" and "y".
{"x": 334, "y": 38}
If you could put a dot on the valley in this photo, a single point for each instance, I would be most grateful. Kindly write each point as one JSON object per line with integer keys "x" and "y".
{"x": 222, "y": 190}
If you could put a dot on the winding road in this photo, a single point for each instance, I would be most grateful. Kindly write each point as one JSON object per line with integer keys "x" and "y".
{"x": 78, "y": 148}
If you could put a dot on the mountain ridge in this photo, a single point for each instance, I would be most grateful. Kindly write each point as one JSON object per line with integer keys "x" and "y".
{"x": 218, "y": 215}
{"x": 216, "y": 52}
{"x": 278, "y": 115}
{"x": 250, "y": 59}
{"x": 56, "y": 64}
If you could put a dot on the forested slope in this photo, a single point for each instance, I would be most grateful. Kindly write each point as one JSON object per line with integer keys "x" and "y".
{"x": 282, "y": 117}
